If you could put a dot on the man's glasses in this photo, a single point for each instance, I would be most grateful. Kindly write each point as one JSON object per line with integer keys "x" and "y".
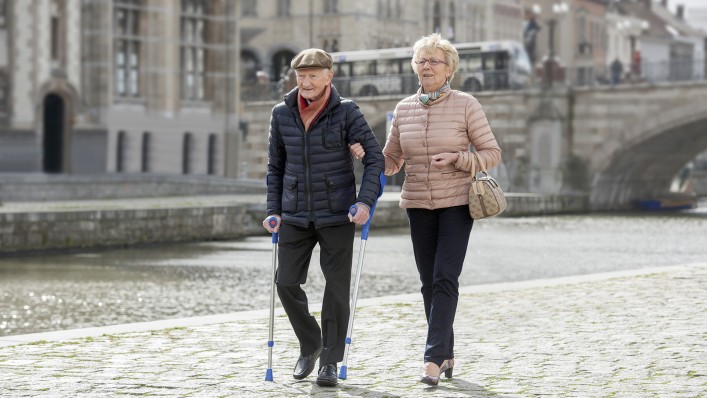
{"x": 432, "y": 61}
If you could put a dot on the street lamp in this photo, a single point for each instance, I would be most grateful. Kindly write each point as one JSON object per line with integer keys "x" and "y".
{"x": 558, "y": 10}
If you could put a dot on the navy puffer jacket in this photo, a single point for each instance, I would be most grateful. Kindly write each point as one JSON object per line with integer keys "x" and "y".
{"x": 311, "y": 175}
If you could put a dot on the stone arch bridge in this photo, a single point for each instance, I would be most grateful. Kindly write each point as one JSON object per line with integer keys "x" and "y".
{"x": 618, "y": 144}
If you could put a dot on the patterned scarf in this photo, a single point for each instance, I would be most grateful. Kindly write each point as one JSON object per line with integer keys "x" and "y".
{"x": 309, "y": 111}
{"x": 426, "y": 98}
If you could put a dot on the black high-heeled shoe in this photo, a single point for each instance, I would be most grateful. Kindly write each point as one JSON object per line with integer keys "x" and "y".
{"x": 431, "y": 374}
{"x": 447, "y": 367}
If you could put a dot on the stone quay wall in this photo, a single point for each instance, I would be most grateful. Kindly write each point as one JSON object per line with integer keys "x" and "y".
{"x": 94, "y": 224}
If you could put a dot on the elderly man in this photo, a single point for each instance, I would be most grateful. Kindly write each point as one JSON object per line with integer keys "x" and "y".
{"x": 310, "y": 187}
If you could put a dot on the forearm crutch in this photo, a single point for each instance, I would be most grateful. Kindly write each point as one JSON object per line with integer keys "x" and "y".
{"x": 359, "y": 266}
{"x": 272, "y": 221}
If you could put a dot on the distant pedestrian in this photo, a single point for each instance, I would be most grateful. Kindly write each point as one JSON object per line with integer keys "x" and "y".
{"x": 530, "y": 34}
{"x": 617, "y": 70}
{"x": 636, "y": 65}
{"x": 310, "y": 187}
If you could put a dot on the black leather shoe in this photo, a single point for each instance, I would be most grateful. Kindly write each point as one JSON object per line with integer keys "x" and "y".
{"x": 327, "y": 376}
{"x": 305, "y": 364}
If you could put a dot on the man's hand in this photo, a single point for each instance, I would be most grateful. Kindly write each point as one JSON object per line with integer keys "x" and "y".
{"x": 266, "y": 223}
{"x": 361, "y": 215}
{"x": 444, "y": 159}
{"x": 357, "y": 151}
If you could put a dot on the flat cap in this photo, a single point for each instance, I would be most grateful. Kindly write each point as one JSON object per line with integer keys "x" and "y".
{"x": 312, "y": 58}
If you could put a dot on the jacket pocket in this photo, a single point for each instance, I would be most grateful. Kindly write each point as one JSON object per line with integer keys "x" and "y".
{"x": 332, "y": 139}
{"x": 341, "y": 191}
{"x": 289, "y": 193}
{"x": 450, "y": 175}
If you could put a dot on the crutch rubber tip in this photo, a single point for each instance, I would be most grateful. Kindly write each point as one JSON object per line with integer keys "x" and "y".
{"x": 268, "y": 375}
{"x": 342, "y": 372}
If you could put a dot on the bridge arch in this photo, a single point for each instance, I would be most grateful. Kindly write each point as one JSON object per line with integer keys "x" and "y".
{"x": 642, "y": 159}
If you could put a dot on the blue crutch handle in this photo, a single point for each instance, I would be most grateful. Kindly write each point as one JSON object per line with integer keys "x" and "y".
{"x": 272, "y": 221}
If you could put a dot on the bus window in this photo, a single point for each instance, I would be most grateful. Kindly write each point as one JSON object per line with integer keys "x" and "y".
{"x": 364, "y": 68}
{"x": 501, "y": 61}
{"x": 523, "y": 62}
{"x": 343, "y": 69}
{"x": 470, "y": 63}
{"x": 389, "y": 67}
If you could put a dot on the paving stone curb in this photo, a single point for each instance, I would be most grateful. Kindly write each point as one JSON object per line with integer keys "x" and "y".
{"x": 639, "y": 333}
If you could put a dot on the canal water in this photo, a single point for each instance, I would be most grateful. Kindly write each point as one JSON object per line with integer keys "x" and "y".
{"x": 73, "y": 290}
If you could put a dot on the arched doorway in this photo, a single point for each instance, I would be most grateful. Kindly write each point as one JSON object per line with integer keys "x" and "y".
{"x": 249, "y": 66}
{"x": 280, "y": 63}
{"x": 53, "y": 134}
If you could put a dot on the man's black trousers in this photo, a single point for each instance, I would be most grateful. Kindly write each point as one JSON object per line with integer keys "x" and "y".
{"x": 336, "y": 252}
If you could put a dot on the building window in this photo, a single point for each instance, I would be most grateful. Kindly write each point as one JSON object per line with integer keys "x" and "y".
{"x": 127, "y": 48}
{"x": 211, "y": 155}
{"x": 194, "y": 52}
{"x": 120, "y": 152}
{"x": 57, "y": 29}
{"x": 249, "y": 66}
{"x": 3, "y": 92}
{"x": 330, "y": 6}
{"x": 452, "y": 24}
{"x": 3, "y": 13}
{"x": 146, "y": 150}
{"x": 581, "y": 25}
{"x": 437, "y": 18}
{"x": 249, "y": 8}
{"x": 281, "y": 62}
{"x": 283, "y": 8}
{"x": 187, "y": 144}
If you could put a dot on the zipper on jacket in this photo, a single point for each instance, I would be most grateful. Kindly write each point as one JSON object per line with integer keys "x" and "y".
{"x": 307, "y": 175}
{"x": 307, "y": 166}
{"x": 305, "y": 160}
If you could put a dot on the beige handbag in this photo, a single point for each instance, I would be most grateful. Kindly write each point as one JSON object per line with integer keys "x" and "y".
{"x": 486, "y": 198}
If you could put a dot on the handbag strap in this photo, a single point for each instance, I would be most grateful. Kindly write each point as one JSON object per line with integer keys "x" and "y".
{"x": 475, "y": 158}
{"x": 481, "y": 163}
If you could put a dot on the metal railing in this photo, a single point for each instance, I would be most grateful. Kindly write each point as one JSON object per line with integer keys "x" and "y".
{"x": 643, "y": 73}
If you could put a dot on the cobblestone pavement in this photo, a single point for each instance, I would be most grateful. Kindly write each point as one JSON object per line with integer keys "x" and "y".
{"x": 630, "y": 334}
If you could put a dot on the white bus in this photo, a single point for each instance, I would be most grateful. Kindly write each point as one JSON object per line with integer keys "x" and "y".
{"x": 490, "y": 65}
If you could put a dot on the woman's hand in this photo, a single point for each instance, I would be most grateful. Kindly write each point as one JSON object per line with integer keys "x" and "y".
{"x": 357, "y": 151}
{"x": 444, "y": 159}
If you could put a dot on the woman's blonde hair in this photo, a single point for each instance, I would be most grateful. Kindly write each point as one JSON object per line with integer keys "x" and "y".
{"x": 428, "y": 44}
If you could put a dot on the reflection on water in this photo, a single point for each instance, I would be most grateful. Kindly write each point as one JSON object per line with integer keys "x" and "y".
{"x": 66, "y": 291}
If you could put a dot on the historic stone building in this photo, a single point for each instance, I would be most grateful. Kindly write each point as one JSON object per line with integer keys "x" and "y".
{"x": 91, "y": 86}
{"x": 274, "y": 31}
{"x": 153, "y": 86}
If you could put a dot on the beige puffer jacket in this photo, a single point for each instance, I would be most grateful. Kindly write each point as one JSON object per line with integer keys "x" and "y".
{"x": 448, "y": 124}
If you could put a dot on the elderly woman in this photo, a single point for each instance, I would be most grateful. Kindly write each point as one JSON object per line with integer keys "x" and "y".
{"x": 431, "y": 134}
